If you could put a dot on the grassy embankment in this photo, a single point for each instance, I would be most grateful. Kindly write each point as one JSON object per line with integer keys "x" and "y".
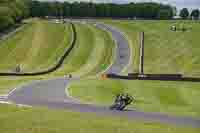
{"x": 36, "y": 47}
{"x": 165, "y": 51}
{"x": 92, "y": 54}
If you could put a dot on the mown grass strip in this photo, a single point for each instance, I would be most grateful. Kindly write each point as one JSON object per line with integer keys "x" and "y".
{"x": 51, "y": 69}
{"x": 102, "y": 54}
{"x": 39, "y": 120}
{"x": 92, "y": 54}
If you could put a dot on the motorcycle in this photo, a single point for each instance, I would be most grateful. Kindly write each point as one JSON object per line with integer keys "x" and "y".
{"x": 118, "y": 106}
{"x": 121, "y": 103}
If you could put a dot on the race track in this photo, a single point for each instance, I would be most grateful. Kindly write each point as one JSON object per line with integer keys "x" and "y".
{"x": 122, "y": 56}
{"x": 51, "y": 93}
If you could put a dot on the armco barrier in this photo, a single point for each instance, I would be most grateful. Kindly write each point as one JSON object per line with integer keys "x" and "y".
{"x": 52, "y": 69}
{"x": 159, "y": 77}
{"x": 116, "y": 76}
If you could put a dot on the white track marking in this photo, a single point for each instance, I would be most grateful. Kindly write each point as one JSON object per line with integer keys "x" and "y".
{"x": 70, "y": 98}
{"x": 5, "y": 102}
{"x": 3, "y": 96}
{"x": 23, "y": 105}
{"x": 11, "y": 92}
{"x": 18, "y": 105}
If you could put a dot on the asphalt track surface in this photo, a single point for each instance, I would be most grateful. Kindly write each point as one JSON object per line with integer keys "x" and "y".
{"x": 122, "y": 56}
{"x": 51, "y": 94}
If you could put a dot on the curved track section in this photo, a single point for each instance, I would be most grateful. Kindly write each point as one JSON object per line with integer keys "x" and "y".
{"x": 122, "y": 50}
{"x": 51, "y": 94}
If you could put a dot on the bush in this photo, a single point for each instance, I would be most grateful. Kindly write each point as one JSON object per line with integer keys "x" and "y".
{"x": 165, "y": 14}
{"x": 12, "y": 11}
{"x": 184, "y": 13}
{"x": 5, "y": 22}
{"x": 6, "y": 19}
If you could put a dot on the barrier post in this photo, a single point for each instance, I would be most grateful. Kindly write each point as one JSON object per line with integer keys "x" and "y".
{"x": 141, "y": 67}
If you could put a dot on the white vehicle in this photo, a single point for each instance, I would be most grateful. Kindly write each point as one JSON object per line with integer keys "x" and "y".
{"x": 57, "y": 21}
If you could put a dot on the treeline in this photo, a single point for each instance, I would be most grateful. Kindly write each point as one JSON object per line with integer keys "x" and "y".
{"x": 12, "y": 11}
{"x": 185, "y": 14}
{"x": 85, "y": 9}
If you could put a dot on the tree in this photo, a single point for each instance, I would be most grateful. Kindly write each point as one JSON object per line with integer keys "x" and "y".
{"x": 66, "y": 9}
{"x": 35, "y": 9}
{"x": 184, "y": 13}
{"x": 131, "y": 10}
{"x": 195, "y": 14}
{"x": 149, "y": 10}
{"x": 164, "y": 14}
{"x": 12, "y": 11}
{"x": 6, "y": 19}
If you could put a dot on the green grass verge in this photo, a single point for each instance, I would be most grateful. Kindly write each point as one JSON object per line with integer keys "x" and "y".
{"x": 165, "y": 51}
{"x": 82, "y": 50}
{"x": 37, "y": 46}
{"x": 41, "y": 120}
{"x": 7, "y": 85}
{"x": 93, "y": 49}
{"x": 102, "y": 55}
{"x": 178, "y": 98}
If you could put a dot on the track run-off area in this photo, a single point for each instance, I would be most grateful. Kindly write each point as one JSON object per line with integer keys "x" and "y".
{"x": 51, "y": 93}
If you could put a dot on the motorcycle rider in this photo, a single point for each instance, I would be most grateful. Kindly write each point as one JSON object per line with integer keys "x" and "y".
{"x": 128, "y": 99}
{"x": 123, "y": 99}
{"x": 119, "y": 103}
{"x": 118, "y": 98}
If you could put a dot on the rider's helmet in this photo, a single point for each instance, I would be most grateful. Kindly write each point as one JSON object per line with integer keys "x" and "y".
{"x": 123, "y": 96}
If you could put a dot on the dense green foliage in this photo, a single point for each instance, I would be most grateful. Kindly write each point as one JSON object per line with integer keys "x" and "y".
{"x": 195, "y": 14}
{"x": 184, "y": 13}
{"x": 85, "y": 9}
{"x": 12, "y": 11}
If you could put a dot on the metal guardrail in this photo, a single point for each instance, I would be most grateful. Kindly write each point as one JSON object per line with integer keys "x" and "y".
{"x": 159, "y": 77}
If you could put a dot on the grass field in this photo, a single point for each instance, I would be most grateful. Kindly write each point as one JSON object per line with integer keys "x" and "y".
{"x": 177, "y": 98}
{"x": 41, "y": 120}
{"x": 37, "y": 46}
{"x": 92, "y": 54}
{"x": 7, "y": 84}
{"x": 93, "y": 48}
{"x": 165, "y": 51}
